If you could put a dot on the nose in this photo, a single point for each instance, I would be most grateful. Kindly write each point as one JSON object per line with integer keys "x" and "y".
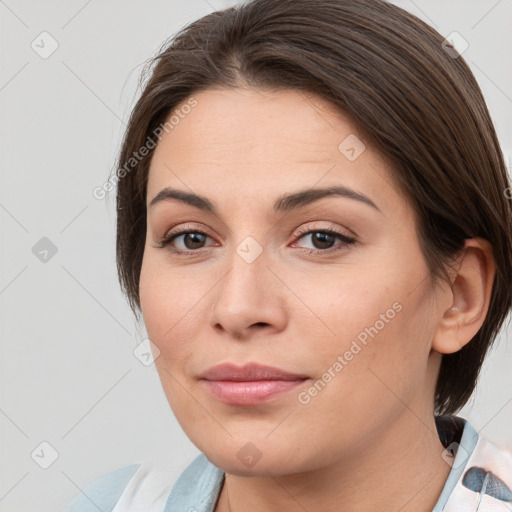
{"x": 249, "y": 297}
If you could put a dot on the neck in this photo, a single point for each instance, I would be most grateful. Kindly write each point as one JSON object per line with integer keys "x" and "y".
{"x": 400, "y": 469}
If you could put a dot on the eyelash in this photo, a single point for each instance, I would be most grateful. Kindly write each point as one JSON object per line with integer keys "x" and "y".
{"x": 346, "y": 241}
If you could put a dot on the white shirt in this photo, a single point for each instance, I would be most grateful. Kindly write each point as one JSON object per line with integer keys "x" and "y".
{"x": 480, "y": 480}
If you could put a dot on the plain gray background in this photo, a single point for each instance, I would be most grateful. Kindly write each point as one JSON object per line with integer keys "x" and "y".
{"x": 68, "y": 373}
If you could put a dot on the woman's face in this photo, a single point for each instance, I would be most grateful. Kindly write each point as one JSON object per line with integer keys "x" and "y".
{"x": 353, "y": 311}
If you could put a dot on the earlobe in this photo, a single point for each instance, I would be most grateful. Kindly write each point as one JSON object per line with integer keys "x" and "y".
{"x": 471, "y": 294}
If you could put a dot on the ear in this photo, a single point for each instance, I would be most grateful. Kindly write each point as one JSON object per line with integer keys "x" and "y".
{"x": 471, "y": 294}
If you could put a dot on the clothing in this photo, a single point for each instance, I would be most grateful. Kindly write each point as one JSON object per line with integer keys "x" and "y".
{"x": 480, "y": 480}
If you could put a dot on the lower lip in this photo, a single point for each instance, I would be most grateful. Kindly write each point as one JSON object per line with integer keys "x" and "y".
{"x": 250, "y": 392}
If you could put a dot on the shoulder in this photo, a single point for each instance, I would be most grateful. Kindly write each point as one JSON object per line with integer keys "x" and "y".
{"x": 481, "y": 476}
{"x": 487, "y": 477}
{"x": 104, "y": 492}
{"x": 152, "y": 487}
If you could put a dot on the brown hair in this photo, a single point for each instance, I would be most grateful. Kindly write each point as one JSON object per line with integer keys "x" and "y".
{"x": 390, "y": 73}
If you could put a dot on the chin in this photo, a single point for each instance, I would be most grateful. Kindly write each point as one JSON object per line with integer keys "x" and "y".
{"x": 235, "y": 466}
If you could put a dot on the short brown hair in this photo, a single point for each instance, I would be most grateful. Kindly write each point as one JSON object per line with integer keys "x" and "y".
{"x": 390, "y": 73}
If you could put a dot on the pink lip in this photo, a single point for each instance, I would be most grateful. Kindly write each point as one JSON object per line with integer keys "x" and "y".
{"x": 249, "y": 393}
{"x": 249, "y": 372}
{"x": 251, "y": 384}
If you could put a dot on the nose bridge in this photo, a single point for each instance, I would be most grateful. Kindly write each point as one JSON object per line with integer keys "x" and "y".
{"x": 244, "y": 283}
{"x": 244, "y": 295}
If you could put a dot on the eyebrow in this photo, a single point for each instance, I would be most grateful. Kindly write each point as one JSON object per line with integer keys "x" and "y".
{"x": 284, "y": 203}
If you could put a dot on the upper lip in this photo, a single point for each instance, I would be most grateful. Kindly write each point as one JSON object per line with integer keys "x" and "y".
{"x": 248, "y": 372}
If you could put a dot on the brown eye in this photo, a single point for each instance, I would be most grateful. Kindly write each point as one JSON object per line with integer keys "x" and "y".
{"x": 323, "y": 240}
{"x": 191, "y": 241}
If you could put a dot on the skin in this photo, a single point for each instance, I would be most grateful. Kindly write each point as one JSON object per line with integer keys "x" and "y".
{"x": 371, "y": 429}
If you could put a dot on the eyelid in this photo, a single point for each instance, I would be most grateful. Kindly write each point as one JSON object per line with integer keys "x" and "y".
{"x": 347, "y": 241}
{"x": 172, "y": 234}
{"x": 306, "y": 228}
{"x": 312, "y": 226}
{"x": 184, "y": 227}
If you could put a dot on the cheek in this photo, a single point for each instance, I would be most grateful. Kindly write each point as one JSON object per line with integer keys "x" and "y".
{"x": 376, "y": 360}
{"x": 350, "y": 306}
{"x": 169, "y": 300}
{"x": 168, "y": 317}
{"x": 372, "y": 322}
{"x": 173, "y": 306}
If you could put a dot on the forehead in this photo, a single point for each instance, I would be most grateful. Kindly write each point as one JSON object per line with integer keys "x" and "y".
{"x": 255, "y": 141}
{"x": 245, "y": 120}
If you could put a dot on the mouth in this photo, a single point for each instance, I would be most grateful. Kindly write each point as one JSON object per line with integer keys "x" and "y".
{"x": 252, "y": 384}
{"x": 249, "y": 372}
{"x": 254, "y": 392}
